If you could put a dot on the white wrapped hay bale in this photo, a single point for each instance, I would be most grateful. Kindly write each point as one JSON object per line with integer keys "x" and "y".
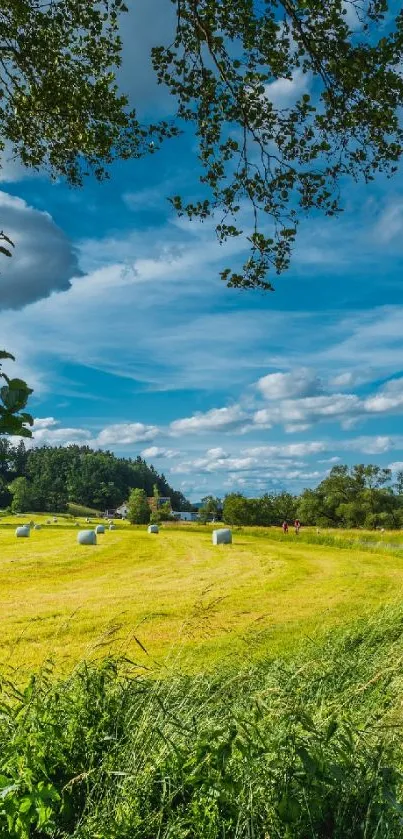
{"x": 112, "y": 527}
{"x": 100, "y": 528}
{"x": 87, "y": 537}
{"x": 222, "y": 536}
{"x": 37, "y": 527}
{"x": 23, "y": 531}
{"x": 54, "y": 521}
{"x": 153, "y": 528}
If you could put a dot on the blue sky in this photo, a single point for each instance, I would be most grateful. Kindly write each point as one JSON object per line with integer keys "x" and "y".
{"x": 118, "y": 318}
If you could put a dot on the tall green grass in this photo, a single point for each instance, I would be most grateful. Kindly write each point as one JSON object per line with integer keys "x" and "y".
{"x": 302, "y": 749}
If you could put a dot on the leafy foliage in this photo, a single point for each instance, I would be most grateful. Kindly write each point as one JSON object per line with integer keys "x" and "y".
{"x": 307, "y": 748}
{"x": 264, "y": 163}
{"x": 265, "y": 511}
{"x": 360, "y": 496}
{"x": 139, "y": 509}
{"x": 60, "y": 107}
{"x": 211, "y": 509}
{"x": 357, "y": 496}
{"x": 13, "y": 399}
{"x": 49, "y": 478}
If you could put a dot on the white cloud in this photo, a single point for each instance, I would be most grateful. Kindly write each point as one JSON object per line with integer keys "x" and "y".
{"x": 45, "y": 422}
{"x": 124, "y": 434}
{"x": 370, "y": 445}
{"x": 390, "y": 223}
{"x": 283, "y": 93}
{"x": 158, "y": 452}
{"x": 308, "y": 410}
{"x": 11, "y": 168}
{"x": 217, "y": 419}
{"x": 297, "y": 383}
{"x": 61, "y": 436}
{"x": 343, "y": 380}
{"x": 296, "y": 428}
{"x": 287, "y": 449}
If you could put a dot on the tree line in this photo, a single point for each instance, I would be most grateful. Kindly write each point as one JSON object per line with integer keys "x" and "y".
{"x": 358, "y": 496}
{"x": 47, "y": 479}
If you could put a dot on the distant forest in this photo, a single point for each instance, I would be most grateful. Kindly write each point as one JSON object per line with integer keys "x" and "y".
{"x": 46, "y": 479}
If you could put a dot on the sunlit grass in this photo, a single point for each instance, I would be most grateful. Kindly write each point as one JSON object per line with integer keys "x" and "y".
{"x": 179, "y": 596}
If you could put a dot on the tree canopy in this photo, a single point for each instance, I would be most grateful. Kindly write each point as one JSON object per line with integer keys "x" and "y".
{"x": 356, "y": 496}
{"x": 48, "y": 478}
{"x": 263, "y": 163}
{"x": 139, "y": 509}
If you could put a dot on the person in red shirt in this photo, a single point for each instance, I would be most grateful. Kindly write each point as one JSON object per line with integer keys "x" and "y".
{"x": 285, "y": 527}
{"x": 297, "y": 525}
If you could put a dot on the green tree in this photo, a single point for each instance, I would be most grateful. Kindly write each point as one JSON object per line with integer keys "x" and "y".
{"x": 61, "y": 108}
{"x": 271, "y": 160}
{"x": 284, "y": 507}
{"x": 236, "y": 509}
{"x": 139, "y": 509}
{"x": 210, "y": 509}
{"x": 22, "y": 495}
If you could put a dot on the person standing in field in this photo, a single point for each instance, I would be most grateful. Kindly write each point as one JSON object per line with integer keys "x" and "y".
{"x": 285, "y": 527}
{"x": 297, "y": 525}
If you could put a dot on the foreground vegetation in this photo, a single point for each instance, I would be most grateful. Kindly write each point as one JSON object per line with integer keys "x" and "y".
{"x": 306, "y": 749}
{"x": 181, "y": 597}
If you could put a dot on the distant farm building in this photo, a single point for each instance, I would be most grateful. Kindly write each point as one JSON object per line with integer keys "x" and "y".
{"x": 122, "y": 511}
{"x": 185, "y": 516}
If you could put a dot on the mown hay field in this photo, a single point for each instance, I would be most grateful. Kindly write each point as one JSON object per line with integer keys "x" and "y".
{"x": 187, "y": 603}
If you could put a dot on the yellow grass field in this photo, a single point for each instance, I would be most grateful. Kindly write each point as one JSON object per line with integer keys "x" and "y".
{"x": 190, "y": 604}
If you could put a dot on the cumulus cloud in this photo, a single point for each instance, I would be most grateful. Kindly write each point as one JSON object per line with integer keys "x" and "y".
{"x": 124, "y": 434}
{"x": 297, "y": 383}
{"x": 49, "y": 432}
{"x": 217, "y": 419}
{"x": 157, "y": 451}
{"x": 43, "y": 261}
{"x": 44, "y": 422}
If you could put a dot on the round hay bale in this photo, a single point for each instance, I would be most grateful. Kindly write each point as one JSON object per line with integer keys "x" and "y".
{"x": 48, "y": 521}
{"x": 222, "y": 536}
{"x": 87, "y": 537}
{"x": 23, "y": 531}
{"x": 112, "y": 527}
{"x": 153, "y": 528}
{"x": 37, "y": 527}
{"x": 54, "y": 521}
{"x": 100, "y": 528}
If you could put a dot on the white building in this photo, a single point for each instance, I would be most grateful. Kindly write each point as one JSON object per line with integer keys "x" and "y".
{"x": 185, "y": 516}
{"x": 123, "y": 510}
